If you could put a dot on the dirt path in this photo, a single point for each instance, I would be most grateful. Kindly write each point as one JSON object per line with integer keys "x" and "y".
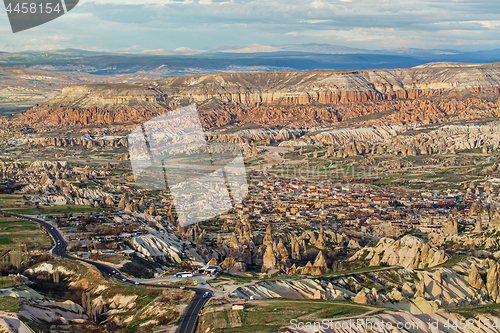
{"x": 10, "y": 323}
{"x": 262, "y": 302}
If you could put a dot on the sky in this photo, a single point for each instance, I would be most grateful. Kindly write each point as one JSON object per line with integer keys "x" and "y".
{"x": 138, "y": 25}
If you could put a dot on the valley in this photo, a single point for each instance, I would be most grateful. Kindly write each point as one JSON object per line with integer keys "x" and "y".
{"x": 368, "y": 194}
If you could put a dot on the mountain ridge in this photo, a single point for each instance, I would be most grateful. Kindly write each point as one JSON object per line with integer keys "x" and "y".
{"x": 258, "y": 48}
{"x": 288, "y": 87}
{"x": 429, "y": 94}
{"x": 184, "y": 61}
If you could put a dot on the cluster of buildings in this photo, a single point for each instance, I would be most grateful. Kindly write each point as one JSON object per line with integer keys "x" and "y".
{"x": 104, "y": 233}
{"x": 362, "y": 209}
{"x": 358, "y": 210}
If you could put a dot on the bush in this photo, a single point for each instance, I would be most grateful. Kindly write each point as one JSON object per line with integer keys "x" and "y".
{"x": 165, "y": 299}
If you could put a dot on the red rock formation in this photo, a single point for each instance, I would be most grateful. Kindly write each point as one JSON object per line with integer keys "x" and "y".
{"x": 426, "y": 94}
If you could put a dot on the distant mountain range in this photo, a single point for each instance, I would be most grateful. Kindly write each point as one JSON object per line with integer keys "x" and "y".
{"x": 251, "y": 58}
{"x": 300, "y": 48}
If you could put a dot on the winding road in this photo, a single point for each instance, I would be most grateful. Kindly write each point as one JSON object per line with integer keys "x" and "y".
{"x": 190, "y": 319}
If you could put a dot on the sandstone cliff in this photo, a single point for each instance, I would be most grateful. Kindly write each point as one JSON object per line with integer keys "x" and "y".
{"x": 314, "y": 98}
{"x": 324, "y": 87}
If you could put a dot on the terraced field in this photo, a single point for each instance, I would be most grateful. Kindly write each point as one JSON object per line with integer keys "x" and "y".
{"x": 14, "y": 232}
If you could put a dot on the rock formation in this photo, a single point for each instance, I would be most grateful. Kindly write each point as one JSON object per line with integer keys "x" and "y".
{"x": 233, "y": 266}
{"x": 409, "y": 251}
{"x": 321, "y": 242}
{"x": 420, "y": 94}
{"x": 474, "y": 279}
{"x": 123, "y": 202}
{"x": 319, "y": 267}
{"x": 362, "y": 298}
{"x": 451, "y": 226}
{"x": 479, "y": 224}
{"x": 492, "y": 280}
{"x": 268, "y": 238}
{"x": 375, "y": 261}
{"x": 295, "y": 249}
{"x": 269, "y": 259}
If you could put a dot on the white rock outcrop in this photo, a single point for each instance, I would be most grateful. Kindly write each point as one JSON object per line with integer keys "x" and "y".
{"x": 409, "y": 252}
{"x": 158, "y": 246}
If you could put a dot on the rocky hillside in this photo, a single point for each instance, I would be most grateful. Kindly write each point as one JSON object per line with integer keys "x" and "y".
{"x": 425, "y": 94}
{"x": 469, "y": 282}
{"x": 91, "y": 300}
{"x": 409, "y": 251}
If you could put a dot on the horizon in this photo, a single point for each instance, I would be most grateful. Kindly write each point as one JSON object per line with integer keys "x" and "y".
{"x": 240, "y": 49}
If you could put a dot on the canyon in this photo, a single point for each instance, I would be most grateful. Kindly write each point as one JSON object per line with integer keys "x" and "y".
{"x": 423, "y": 94}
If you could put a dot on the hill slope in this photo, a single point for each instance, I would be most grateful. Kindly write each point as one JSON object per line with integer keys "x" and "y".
{"x": 430, "y": 93}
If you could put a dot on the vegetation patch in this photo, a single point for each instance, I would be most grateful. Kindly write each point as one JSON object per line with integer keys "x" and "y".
{"x": 471, "y": 311}
{"x": 274, "y": 315}
{"x": 10, "y": 304}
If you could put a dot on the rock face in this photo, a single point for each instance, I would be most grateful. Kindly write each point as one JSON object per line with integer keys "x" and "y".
{"x": 375, "y": 260}
{"x": 409, "y": 251}
{"x": 319, "y": 266}
{"x": 294, "y": 289}
{"x": 158, "y": 246}
{"x": 269, "y": 259}
{"x": 233, "y": 266}
{"x": 361, "y": 298}
{"x": 353, "y": 244}
{"x": 474, "y": 279}
{"x": 492, "y": 281}
{"x": 416, "y": 291}
{"x": 353, "y": 94}
{"x": 451, "y": 226}
{"x": 295, "y": 249}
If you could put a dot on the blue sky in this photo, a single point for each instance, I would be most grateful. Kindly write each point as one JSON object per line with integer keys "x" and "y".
{"x": 121, "y": 25}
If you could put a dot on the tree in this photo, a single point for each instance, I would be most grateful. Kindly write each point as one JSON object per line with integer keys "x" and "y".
{"x": 77, "y": 246}
{"x": 15, "y": 258}
{"x": 56, "y": 276}
{"x": 395, "y": 203}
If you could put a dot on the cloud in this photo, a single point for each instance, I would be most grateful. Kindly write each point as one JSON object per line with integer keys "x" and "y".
{"x": 198, "y": 24}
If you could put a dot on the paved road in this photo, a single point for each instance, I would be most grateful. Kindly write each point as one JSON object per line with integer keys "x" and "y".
{"x": 201, "y": 278}
{"x": 189, "y": 320}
